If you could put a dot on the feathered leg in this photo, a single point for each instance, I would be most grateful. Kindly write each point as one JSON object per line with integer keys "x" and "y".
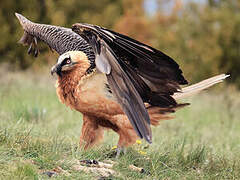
{"x": 127, "y": 135}
{"x": 92, "y": 133}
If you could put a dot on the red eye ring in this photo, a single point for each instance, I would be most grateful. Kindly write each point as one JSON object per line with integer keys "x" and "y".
{"x": 68, "y": 61}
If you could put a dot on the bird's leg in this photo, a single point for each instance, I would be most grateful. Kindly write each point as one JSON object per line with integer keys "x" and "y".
{"x": 92, "y": 133}
{"x": 127, "y": 137}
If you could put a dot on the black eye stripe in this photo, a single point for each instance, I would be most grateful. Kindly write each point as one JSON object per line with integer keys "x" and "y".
{"x": 66, "y": 61}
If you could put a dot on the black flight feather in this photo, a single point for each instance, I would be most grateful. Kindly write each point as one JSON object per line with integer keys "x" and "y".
{"x": 137, "y": 71}
{"x": 159, "y": 72}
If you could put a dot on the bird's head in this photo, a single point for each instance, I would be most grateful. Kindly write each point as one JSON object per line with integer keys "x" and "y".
{"x": 68, "y": 61}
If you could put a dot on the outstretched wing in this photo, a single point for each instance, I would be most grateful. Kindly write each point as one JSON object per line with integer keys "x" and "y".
{"x": 57, "y": 38}
{"x": 138, "y": 73}
{"x": 156, "y": 76}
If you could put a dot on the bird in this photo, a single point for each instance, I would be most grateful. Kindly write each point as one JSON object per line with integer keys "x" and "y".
{"x": 115, "y": 81}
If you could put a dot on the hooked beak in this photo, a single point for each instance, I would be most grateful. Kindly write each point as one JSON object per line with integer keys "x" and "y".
{"x": 57, "y": 69}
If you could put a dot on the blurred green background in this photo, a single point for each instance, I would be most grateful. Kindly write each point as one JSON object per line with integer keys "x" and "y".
{"x": 202, "y": 36}
{"x": 38, "y": 133}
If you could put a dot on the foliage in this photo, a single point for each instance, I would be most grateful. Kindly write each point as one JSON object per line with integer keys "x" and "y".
{"x": 204, "y": 37}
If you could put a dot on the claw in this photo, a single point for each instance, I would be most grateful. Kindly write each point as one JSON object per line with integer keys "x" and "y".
{"x": 30, "y": 48}
{"x": 36, "y": 52}
{"x": 35, "y": 40}
{"x": 35, "y": 47}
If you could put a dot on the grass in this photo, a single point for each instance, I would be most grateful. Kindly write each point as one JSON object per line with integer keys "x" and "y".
{"x": 38, "y": 134}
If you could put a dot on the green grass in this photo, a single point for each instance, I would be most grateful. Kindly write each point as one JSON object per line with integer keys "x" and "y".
{"x": 38, "y": 134}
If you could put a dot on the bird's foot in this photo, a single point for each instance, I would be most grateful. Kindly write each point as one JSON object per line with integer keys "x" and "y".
{"x": 120, "y": 150}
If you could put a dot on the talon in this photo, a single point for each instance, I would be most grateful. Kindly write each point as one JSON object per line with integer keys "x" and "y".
{"x": 30, "y": 48}
{"x": 36, "y": 53}
{"x": 35, "y": 41}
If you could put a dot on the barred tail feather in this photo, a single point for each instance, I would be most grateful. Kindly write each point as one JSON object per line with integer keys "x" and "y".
{"x": 195, "y": 88}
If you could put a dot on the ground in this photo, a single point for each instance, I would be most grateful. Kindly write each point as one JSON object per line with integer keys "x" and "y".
{"x": 38, "y": 134}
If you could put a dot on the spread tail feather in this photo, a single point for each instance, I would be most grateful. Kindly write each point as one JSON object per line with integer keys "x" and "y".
{"x": 195, "y": 88}
{"x": 157, "y": 113}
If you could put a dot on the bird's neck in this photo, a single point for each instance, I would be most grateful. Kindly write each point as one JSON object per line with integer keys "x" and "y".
{"x": 69, "y": 80}
{"x": 67, "y": 85}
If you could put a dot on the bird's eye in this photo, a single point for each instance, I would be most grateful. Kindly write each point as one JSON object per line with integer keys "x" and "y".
{"x": 68, "y": 61}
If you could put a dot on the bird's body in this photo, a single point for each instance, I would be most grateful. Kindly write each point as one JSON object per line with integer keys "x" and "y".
{"x": 90, "y": 95}
{"x": 116, "y": 82}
